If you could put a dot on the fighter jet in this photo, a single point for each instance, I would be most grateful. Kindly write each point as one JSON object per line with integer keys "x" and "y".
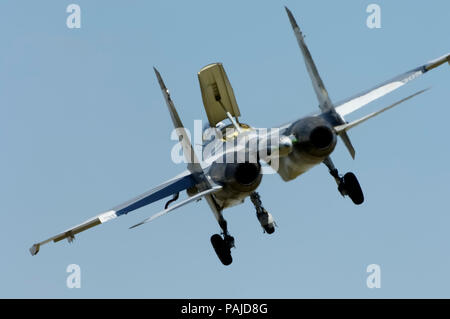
{"x": 232, "y": 171}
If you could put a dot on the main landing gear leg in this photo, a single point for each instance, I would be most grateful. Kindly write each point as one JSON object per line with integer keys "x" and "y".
{"x": 347, "y": 184}
{"x": 222, "y": 244}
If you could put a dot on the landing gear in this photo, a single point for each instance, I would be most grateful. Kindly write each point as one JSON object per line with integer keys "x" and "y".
{"x": 222, "y": 244}
{"x": 347, "y": 184}
{"x": 222, "y": 247}
{"x": 264, "y": 217}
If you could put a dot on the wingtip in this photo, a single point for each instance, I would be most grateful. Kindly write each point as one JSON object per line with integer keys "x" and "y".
{"x": 34, "y": 249}
{"x": 160, "y": 80}
{"x": 291, "y": 18}
{"x": 287, "y": 10}
{"x": 145, "y": 221}
{"x": 134, "y": 226}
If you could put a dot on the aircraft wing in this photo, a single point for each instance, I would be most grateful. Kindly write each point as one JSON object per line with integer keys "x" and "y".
{"x": 198, "y": 196}
{"x": 172, "y": 186}
{"x": 345, "y": 127}
{"x": 354, "y": 103}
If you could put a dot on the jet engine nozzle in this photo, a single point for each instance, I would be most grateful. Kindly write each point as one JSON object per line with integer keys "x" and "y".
{"x": 315, "y": 137}
{"x": 237, "y": 177}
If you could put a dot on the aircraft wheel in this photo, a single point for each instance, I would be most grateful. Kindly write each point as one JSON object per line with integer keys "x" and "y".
{"x": 222, "y": 249}
{"x": 352, "y": 188}
{"x": 270, "y": 229}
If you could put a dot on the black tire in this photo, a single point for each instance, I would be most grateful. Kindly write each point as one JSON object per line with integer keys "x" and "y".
{"x": 353, "y": 188}
{"x": 221, "y": 249}
{"x": 269, "y": 230}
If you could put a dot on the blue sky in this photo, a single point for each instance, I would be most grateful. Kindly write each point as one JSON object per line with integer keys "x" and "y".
{"x": 83, "y": 127}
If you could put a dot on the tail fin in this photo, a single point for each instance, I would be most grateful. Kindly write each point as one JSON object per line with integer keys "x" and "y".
{"x": 189, "y": 153}
{"x": 325, "y": 103}
{"x": 319, "y": 87}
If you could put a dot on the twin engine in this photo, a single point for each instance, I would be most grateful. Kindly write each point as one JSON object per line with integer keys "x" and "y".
{"x": 315, "y": 139}
{"x": 238, "y": 179}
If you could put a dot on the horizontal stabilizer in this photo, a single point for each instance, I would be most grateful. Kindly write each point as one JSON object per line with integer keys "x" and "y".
{"x": 341, "y": 129}
{"x": 348, "y": 144}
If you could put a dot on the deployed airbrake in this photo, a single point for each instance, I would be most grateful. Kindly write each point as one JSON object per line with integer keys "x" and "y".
{"x": 231, "y": 174}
